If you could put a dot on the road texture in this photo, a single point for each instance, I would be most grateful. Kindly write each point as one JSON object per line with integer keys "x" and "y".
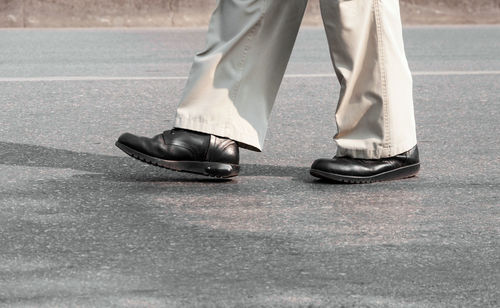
{"x": 82, "y": 224}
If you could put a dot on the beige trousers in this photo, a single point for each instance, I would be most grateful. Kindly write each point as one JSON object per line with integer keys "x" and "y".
{"x": 233, "y": 82}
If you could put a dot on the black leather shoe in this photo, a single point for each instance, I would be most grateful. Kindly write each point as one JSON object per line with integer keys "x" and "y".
{"x": 185, "y": 150}
{"x": 357, "y": 171}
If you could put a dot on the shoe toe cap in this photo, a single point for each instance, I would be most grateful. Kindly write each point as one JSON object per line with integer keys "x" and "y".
{"x": 321, "y": 164}
{"x": 140, "y": 144}
{"x": 128, "y": 139}
{"x": 335, "y": 165}
{"x": 154, "y": 147}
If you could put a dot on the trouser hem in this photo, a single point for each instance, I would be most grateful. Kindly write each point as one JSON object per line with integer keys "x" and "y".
{"x": 376, "y": 152}
{"x": 246, "y": 139}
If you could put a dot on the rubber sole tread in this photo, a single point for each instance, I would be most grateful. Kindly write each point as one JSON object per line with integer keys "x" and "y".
{"x": 397, "y": 174}
{"x": 151, "y": 161}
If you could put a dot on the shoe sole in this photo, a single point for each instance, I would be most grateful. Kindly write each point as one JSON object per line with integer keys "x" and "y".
{"x": 213, "y": 169}
{"x": 396, "y": 174}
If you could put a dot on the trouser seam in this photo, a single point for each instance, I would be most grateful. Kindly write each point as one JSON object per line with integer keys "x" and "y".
{"x": 383, "y": 75}
{"x": 235, "y": 91}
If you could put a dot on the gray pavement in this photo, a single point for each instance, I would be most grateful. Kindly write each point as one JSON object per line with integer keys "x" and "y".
{"x": 81, "y": 224}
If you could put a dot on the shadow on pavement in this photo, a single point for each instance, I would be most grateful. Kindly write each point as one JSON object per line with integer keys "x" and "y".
{"x": 122, "y": 168}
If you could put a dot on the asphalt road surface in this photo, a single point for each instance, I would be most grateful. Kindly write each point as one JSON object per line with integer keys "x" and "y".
{"x": 82, "y": 224}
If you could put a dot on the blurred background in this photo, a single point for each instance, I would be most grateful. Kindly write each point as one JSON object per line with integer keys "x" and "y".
{"x": 182, "y": 13}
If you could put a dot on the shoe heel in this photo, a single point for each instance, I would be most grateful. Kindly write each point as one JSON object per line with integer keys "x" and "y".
{"x": 222, "y": 170}
{"x": 403, "y": 173}
{"x": 412, "y": 170}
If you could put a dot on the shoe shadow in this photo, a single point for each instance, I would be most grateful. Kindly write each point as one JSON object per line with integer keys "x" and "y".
{"x": 123, "y": 168}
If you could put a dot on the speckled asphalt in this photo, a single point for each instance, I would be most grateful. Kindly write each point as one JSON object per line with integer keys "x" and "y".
{"x": 82, "y": 224}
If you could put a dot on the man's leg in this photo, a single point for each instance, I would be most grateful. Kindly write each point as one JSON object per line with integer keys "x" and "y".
{"x": 374, "y": 116}
{"x": 233, "y": 83}
{"x": 230, "y": 91}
